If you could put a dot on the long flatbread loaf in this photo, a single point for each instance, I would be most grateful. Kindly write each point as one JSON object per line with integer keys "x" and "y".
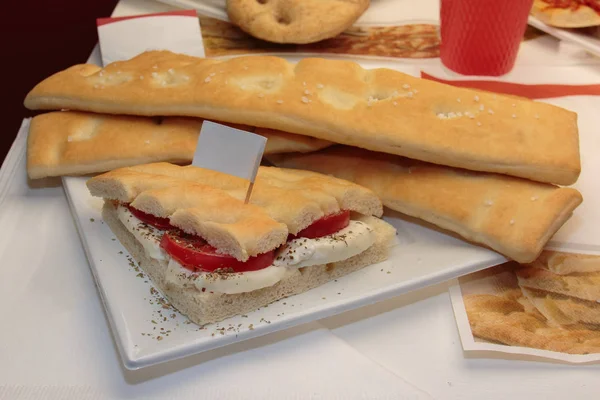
{"x": 513, "y": 216}
{"x": 76, "y": 143}
{"x": 380, "y": 109}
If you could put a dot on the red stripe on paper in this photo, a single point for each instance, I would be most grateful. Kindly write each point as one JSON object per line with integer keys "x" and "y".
{"x": 518, "y": 89}
{"x": 185, "y": 13}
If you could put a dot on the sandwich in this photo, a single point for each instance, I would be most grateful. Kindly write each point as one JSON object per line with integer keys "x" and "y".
{"x": 339, "y": 101}
{"x": 78, "y": 143}
{"x": 213, "y": 256}
{"x": 513, "y": 216}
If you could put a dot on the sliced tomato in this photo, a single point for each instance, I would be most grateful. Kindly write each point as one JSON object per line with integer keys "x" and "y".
{"x": 326, "y": 225}
{"x": 157, "y": 222}
{"x": 195, "y": 254}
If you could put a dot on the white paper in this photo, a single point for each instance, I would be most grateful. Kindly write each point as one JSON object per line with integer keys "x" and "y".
{"x": 229, "y": 150}
{"x": 126, "y": 38}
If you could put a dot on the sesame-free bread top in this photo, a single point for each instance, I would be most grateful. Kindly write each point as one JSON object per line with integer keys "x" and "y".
{"x": 289, "y": 198}
{"x": 513, "y": 216}
{"x": 234, "y": 228}
{"x": 77, "y": 143}
{"x": 380, "y": 109}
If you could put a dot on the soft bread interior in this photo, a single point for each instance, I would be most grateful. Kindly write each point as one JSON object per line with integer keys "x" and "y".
{"x": 203, "y": 307}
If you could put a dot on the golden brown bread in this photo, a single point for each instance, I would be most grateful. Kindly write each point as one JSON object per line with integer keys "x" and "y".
{"x": 502, "y": 319}
{"x": 295, "y": 21}
{"x": 580, "y": 286}
{"x": 513, "y": 216}
{"x": 76, "y": 143}
{"x": 234, "y": 228}
{"x": 380, "y": 109}
{"x": 293, "y": 199}
{"x": 566, "y": 263}
{"x": 564, "y": 310}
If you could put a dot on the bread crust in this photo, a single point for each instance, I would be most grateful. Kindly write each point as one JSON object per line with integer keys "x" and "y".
{"x": 294, "y": 198}
{"x": 295, "y": 21}
{"x": 513, "y": 216}
{"x": 78, "y": 143}
{"x": 505, "y": 320}
{"x": 203, "y": 307}
{"x": 380, "y": 109}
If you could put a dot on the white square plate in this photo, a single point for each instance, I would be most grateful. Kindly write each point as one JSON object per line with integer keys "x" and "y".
{"x": 420, "y": 257}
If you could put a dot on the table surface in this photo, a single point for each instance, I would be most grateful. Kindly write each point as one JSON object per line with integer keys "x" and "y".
{"x": 59, "y": 345}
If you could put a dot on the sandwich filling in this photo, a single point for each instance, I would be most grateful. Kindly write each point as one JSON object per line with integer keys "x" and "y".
{"x": 193, "y": 262}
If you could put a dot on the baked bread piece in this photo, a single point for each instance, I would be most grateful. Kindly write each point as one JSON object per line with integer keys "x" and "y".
{"x": 335, "y": 100}
{"x": 566, "y": 263}
{"x": 287, "y": 197}
{"x": 234, "y": 228}
{"x": 205, "y": 307}
{"x": 76, "y": 143}
{"x": 513, "y": 216}
{"x": 295, "y": 21}
{"x": 505, "y": 320}
{"x": 564, "y": 310}
{"x": 580, "y": 286}
{"x": 575, "y": 15}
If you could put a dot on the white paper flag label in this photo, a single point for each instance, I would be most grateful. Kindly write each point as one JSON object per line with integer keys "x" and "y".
{"x": 229, "y": 150}
{"x": 122, "y": 38}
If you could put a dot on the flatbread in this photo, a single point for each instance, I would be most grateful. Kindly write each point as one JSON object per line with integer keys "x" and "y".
{"x": 504, "y": 319}
{"x": 336, "y": 100}
{"x": 77, "y": 143}
{"x": 491, "y": 209}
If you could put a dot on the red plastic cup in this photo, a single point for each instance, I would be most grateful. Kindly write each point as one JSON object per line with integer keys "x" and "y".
{"x": 482, "y": 37}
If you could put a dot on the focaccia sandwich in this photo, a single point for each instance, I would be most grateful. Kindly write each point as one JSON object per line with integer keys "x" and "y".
{"x": 214, "y": 257}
